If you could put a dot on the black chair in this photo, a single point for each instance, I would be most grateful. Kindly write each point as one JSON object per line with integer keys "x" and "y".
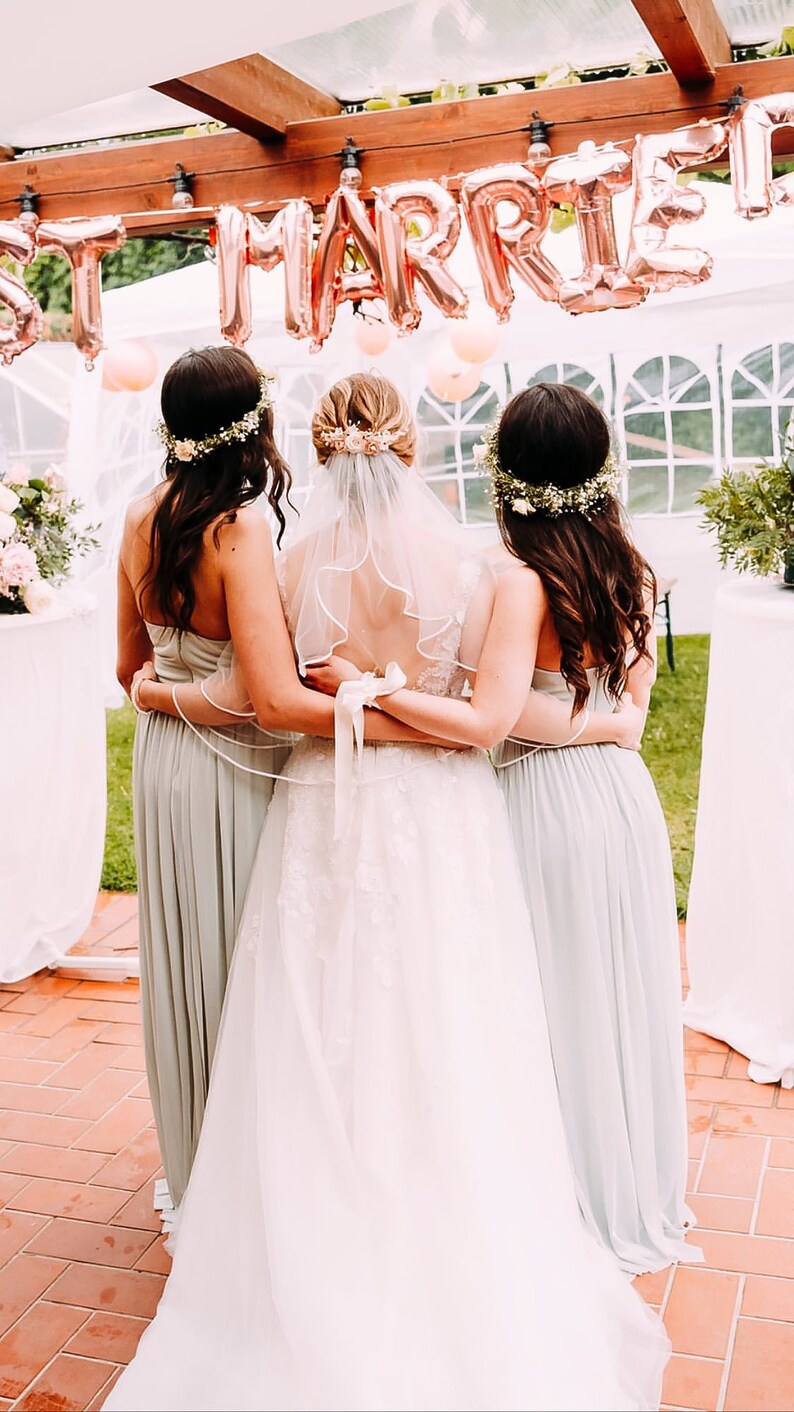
{"x": 665, "y": 588}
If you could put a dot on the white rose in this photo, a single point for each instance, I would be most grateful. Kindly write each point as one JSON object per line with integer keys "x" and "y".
{"x": 185, "y": 450}
{"x": 8, "y": 526}
{"x": 354, "y": 441}
{"x": 8, "y": 499}
{"x": 521, "y": 507}
{"x": 38, "y": 596}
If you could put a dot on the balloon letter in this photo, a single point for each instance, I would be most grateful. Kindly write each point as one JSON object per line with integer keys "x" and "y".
{"x": 659, "y": 203}
{"x": 408, "y": 257}
{"x": 345, "y": 221}
{"x": 750, "y": 143}
{"x": 234, "y": 288}
{"x": 25, "y": 328}
{"x": 242, "y": 241}
{"x": 83, "y": 242}
{"x": 499, "y": 243}
{"x": 588, "y": 179}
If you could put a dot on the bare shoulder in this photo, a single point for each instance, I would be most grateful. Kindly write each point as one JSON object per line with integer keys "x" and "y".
{"x": 520, "y": 587}
{"x": 138, "y": 517}
{"x": 247, "y": 533}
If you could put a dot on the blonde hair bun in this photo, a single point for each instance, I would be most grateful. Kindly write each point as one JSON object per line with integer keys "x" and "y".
{"x": 368, "y": 401}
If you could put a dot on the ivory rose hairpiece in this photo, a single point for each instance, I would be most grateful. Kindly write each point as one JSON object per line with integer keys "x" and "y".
{"x": 193, "y": 448}
{"x": 356, "y": 440}
{"x": 525, "y": 499}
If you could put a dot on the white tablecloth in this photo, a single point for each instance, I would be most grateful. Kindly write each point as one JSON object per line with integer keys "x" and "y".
{"x": 740, "y": 926}
{"x": 52, "y": 773}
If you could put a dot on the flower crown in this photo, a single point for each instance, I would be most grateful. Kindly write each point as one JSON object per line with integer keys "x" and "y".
{"x": 192, "y": 449}
{"x": 357, "y": 441}
{"x": 524, "y": 499}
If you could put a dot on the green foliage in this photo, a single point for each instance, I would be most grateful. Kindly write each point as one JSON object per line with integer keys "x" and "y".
{"x": 671, "y": 750}
{"x": 47, "y": 524}
{"x": 118, "y": 870}
{"x": 49, "y": 277}
{"x": 752, "y": 515}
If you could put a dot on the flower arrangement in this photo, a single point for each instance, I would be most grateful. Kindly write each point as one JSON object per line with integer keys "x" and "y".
{"x": 752, "y": 514}
{"x": 38, "y": 539}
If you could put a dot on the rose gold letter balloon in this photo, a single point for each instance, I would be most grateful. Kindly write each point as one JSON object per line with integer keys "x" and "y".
{"x": 588, "y": 179}
{"x": 26, "y": 325}
{"x": 499, "y": 242}
{"x": 659, "y": 203}
{"x": 408, "y": 257}
{"x": 346, "y": 223}
{"x": 288, "y": 237}
{"x": 234, "y": 290}
{"x": 750, "y": 141}
{"x": 83, "y": 242}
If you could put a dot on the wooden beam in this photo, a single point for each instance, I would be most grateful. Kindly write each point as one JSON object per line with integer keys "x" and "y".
{"x": 425, "y": 140}
{"x": 252, "y": 94}
{"x": 690, "y": 36}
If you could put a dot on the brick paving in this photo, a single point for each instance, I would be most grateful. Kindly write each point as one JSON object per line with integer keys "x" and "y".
{"x": 82, "y": 1263}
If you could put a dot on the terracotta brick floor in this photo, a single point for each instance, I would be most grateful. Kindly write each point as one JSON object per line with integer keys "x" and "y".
{"x": 82, "y": 1265}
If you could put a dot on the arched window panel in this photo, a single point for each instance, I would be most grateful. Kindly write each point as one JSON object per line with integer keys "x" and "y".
{"x": 575, "y": 376}
{"x": 448, "y": 433}
{"x": 668, "y": 432}
{"x": 759, "y": 397}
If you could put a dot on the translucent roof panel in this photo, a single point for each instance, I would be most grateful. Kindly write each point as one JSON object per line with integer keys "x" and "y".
{"x": 413, "y": 47}
{"x": 755, "y": 21}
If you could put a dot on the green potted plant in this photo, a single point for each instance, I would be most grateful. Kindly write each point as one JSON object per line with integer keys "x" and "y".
{"x": 752, "y": 514}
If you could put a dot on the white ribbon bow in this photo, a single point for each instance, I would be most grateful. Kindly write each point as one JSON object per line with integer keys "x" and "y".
{"x": 351, "y": 698}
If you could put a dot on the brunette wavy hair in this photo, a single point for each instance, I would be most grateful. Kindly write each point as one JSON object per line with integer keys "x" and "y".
{"x": 597, "y": 584}
{"x": 203, "y": 392}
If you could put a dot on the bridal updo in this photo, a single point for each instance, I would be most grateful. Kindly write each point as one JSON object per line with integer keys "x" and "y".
{"x": 368, "y": 401}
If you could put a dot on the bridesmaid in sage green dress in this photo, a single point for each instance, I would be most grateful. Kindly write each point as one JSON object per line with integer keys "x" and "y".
{"x": 198, "y": 816}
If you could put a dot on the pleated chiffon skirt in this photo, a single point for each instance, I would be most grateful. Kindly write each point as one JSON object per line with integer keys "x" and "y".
{"x": 198, "y": 821}
{"x": 594, "y": 853}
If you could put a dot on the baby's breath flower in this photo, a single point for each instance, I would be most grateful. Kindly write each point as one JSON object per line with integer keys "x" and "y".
{"x": 548, "y": 499}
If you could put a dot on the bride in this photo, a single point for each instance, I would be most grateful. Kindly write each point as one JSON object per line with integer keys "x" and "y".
{"x": 381, "y": 1212}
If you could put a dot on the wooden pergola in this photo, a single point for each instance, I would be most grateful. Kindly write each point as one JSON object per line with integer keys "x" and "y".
{"x": 284, "y": 136}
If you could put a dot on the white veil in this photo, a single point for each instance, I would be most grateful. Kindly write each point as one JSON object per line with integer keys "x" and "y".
{"x": 379, "y": 570}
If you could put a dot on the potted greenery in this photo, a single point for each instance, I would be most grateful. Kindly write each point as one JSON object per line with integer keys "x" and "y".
{"x": 752, "y": 515}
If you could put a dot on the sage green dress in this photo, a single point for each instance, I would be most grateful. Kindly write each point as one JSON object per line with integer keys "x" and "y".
{"x": 594, "y": 853}
{"x": 198, "y": 820}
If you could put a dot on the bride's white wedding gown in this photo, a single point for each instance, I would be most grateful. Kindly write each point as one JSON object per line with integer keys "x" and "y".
{"x": 381, "y": 1213}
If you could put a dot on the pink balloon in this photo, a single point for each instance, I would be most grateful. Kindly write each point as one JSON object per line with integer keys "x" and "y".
{"x": 501, "y": 244}
{"x": 83, "y": 242}
{"x": 659, "y": 203}
{"x": 346, "y": 219}
{"x": 750, "y": 143}
{"x": 27, "y": 324}
{"x": 408, "y": 257}
{"x": 129, "y": 366}
{"x": 449, "y": 378}
{"x": 373, "y": 336}
{"x": 588, "y": 180}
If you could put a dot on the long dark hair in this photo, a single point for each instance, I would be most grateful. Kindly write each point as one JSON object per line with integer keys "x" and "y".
{"x": 203, "y": 392}
{"x": 597, "y": 583}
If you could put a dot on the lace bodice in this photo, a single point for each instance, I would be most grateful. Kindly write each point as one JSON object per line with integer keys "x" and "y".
{"x": 445, "y": 675}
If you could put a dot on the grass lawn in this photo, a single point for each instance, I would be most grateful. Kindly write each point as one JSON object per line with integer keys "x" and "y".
{"x": 671, "y": 749}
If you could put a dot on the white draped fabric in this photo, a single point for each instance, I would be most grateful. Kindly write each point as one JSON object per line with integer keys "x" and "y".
{"x": 52, "y": 823}
{"x": 741, "y": 905}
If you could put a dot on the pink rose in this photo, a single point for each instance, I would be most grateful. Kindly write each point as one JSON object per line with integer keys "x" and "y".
{"x": 18, "y": 566}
